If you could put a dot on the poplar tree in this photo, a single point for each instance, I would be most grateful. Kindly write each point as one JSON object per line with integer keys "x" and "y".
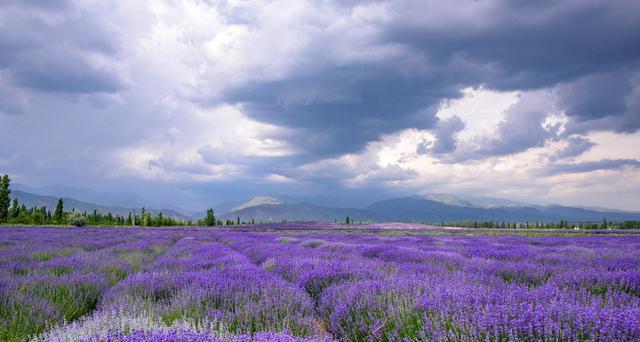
{"x": 59, "y": 213}
{"x": 15, "y": 209}
{"x": 5, "y": 198}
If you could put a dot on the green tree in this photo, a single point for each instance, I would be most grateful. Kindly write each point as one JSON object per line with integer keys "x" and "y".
{"x": 347, "y": 220}
{"x": 58, "y": 215}
{"x": 160, "y": 220}
{"x": 15, "y": 209}
{"x": 5, "y": 198}
{"x": 210, "y": 218}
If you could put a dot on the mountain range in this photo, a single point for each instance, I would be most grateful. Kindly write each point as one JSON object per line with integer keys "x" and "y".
{"x": 424, "y": 208}
{"x": 35, "y": 200}
{"x": 416, "y": 208}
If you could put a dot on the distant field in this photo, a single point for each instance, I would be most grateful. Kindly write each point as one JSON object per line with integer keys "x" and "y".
{"x": 296, "y": 282}
{"x": 312, "y": 227}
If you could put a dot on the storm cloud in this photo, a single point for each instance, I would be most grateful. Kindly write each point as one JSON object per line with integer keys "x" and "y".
{"x": 434, "y": 50}
{"x": 604, "y": 164}
{"x": 316, "y": 96}
{"x": 60, "y": 47}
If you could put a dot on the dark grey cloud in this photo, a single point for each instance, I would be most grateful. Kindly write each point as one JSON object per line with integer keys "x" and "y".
{"x": 524, "y": 45}
{"x": 65, "y": 74}
{"x": 595, "y": 96}
{"x": 591, "y": 49}
{"x": 521, "y": 130}
{"x": 576, "y": 145}
{"x": 582, "y": 167}
{"x": 445, "y": 135}
{"x": 59, "y": 47}
{"x": 339, "y": 109}
{"x": 506, "y": 45}
{"x": 603, "y": 101}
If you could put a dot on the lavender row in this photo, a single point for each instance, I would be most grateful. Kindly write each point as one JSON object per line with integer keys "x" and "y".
{"x": 203, "y": 289}
{"x": 57, "y": 276}
{"x": 375, "y": 287}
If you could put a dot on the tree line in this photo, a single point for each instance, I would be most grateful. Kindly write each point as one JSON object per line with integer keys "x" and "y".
{"x": 562, "y": 224}
{"x": 13, "y": 212}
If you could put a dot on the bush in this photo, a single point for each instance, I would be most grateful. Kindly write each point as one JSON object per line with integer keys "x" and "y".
{"x": 76, "y": 219}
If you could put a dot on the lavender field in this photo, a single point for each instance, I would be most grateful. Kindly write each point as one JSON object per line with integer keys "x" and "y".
{"x": 116, "y": 284}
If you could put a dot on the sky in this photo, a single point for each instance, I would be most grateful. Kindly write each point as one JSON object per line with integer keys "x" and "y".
{"x": 190, "y": 103}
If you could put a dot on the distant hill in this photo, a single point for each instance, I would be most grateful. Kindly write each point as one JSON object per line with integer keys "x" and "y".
{"x": 424, "y": 208}
{"x": 33, "y": 200}
{"x": 301, "y": 212}
{"x": 257, "y": 201}
{"x": 417, "y": 208}
{"x": 451, "y": 199}
{"x": 474, "y": 201}
{"x": 128, "y": 200}
{"x": 320, "y": 201}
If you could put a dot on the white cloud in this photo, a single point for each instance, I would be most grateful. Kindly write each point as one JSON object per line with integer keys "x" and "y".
{"x": 206, "y": 144}
{"x": 393, "y": 162}
{"x": 480, "y": 109}
{"x": 279, "y": 178}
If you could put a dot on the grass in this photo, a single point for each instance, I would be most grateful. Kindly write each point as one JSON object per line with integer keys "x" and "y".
{"x": 20, "y": 321}
{"x": 72, "y": 300}
{"x": 114, "y": 274}
{"x": 313, "y": 243}
{"x": 59, "y": 270}
{"x": 40, "y": 256}
{"x": 524, "y": 278}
